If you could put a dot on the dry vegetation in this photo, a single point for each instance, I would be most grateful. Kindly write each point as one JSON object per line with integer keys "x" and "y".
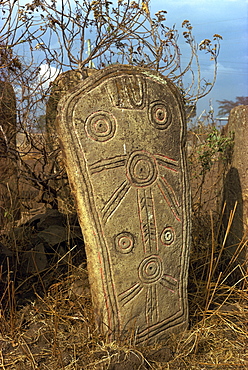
{"x": 46, "y": 314}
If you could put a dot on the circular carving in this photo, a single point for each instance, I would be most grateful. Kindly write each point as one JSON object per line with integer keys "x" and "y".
{"x": 141, "y": 169}
{"x": 160, "y": 115}
{"x": 151, "y": 269}
{"x": 167, "y": 236}
{"x": 100, "y": 126}
{"x": 124, "y": 242}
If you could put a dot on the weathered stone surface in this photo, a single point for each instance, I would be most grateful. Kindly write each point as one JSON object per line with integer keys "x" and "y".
{"x": 123, "y": 135}
{"x": 9, "y": 203}
{"x": 60, "y": 86}
{"x": 236, "y": 184}
{"x": 65, "y": 82}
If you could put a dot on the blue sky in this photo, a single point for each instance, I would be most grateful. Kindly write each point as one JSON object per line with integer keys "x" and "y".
{"x": 227, "y": 18}
{"x": 208, "y": 17}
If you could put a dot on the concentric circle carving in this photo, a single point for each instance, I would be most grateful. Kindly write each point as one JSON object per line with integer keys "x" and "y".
{"x": 151, "y": 269}
{"x": 141, "y": 169}
{"x": 124, "y": 242}
{"x": 160, "y": 115}
{"x": 167, "y": 236}
{"x": 100, "y": 126}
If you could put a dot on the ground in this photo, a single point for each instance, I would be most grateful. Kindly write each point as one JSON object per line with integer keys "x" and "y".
{"x": 47, "y": 320}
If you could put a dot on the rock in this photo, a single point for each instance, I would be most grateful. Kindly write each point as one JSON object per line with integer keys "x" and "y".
{"x": 123, "y": 136}
{"x": 235, "y": 192}
{"x": 53, "y": 235}
{"x": 35, "y": 260}
{"x": 163, "y": 354}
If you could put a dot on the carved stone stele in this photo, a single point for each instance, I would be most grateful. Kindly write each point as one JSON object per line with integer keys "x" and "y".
{"x": 123, "y": 136}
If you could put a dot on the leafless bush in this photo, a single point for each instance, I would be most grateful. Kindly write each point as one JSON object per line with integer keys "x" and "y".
{"x": 41, "y": 39}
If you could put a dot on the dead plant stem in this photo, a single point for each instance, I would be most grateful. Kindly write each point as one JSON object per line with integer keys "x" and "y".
{"x": 210, "y": 273}
{"x": 230, "y": 221}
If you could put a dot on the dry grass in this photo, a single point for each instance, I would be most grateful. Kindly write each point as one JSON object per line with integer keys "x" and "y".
{"x": 54, "y": 329}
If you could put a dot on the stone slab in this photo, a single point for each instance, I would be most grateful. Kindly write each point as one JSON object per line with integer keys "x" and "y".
{"x": 235, "y": 193}
{"x": 123, "y": 136}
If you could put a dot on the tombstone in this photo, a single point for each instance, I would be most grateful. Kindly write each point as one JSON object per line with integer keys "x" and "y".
{"x": 123, "y": 136}
{"x": 9, "y": 202}
{"x": 235, "y": 192}
{"x": 65, "y": 82}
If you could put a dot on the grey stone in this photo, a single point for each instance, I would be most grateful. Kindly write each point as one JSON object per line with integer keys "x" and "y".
{"x": 123, "y": 136}
{"x": 51, "y": 217}
{"x": 53, "y": 235}
{"x": 235, "y": 193}
{"x": 35, "y": 260}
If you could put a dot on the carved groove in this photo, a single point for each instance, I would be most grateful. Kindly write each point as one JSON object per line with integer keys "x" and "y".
{"x": 168, "y": 236}
{"x": 130, "y": 294}
{"x": 107, "y": 164}
{"x": 160, "y": 115}
{"x": 170, "y": 197}
{"x": 152, "y": 311}
{"x": 100, "y": 126}
{"x": 151, "y": 269}
{"x": 147, "y": 220}
{"x": 114, "y": 201}
{"x": 124, "y": 242}
{"x": 169, "y": 163}
{"x": 127, "y": 92}
{"x": 141, "y": 169}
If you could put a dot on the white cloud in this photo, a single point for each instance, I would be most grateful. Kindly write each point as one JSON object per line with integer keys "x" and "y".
{"x": 48, "y": 74}
{"x": 221, "y": 70}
